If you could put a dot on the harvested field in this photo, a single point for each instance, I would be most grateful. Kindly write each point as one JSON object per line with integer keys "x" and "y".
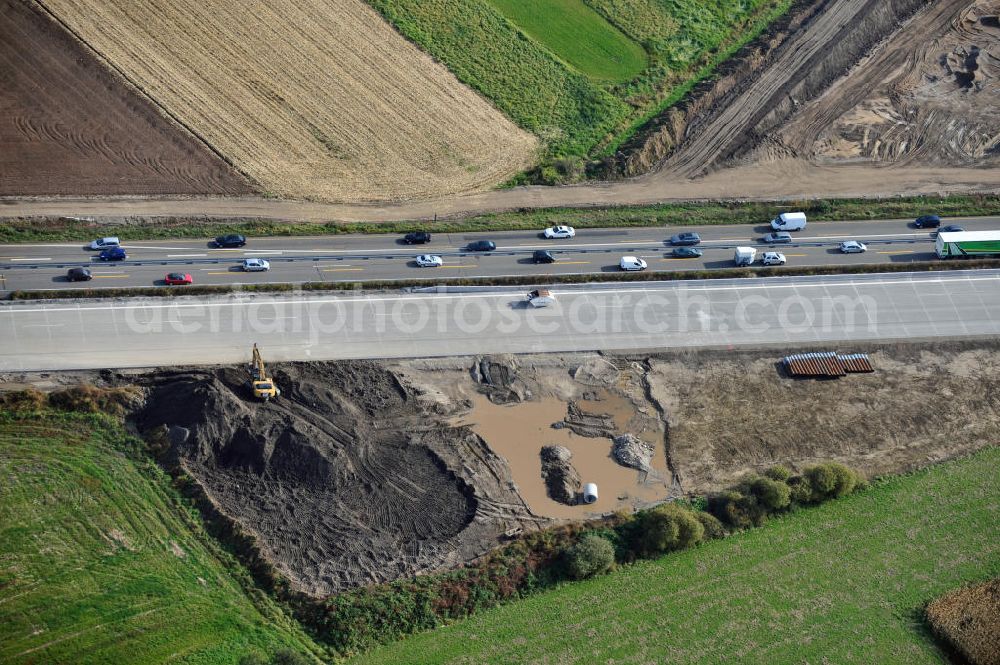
{"x": 969, "y": 619}
{"x": 310, "y": 98}
{"x": 69, "y": 125}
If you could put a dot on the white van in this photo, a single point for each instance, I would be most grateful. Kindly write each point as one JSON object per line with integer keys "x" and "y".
{"x": 789, "y": 221}
{"x": 632, "y": 263}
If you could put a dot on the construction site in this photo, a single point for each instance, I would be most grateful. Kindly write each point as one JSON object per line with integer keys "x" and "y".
{"x": 363, "y": 471}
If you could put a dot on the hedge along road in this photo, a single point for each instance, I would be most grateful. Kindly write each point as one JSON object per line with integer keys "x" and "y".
{"x": 788, "y": 312}
{"x": 350, "y": 258}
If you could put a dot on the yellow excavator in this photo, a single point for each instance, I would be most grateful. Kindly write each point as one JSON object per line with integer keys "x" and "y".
{"x": 263, "y": 385}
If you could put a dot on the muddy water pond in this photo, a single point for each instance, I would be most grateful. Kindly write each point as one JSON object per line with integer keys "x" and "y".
{"x": 517, "y": 433}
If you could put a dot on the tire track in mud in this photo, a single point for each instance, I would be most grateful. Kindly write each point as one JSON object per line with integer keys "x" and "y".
{"x": 746, "y": 114}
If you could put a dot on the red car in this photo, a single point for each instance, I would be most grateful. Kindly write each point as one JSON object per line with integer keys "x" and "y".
{"x": 178, "y": 278}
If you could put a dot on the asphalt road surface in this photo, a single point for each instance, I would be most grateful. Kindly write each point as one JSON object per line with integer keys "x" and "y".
{"x": 782, "y": 311}
{"x": 384, "y": 257}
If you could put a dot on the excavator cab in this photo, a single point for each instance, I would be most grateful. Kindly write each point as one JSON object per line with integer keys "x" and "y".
{"x": 262, "y": 385}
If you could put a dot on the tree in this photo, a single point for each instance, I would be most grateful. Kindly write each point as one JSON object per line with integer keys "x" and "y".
{"x": 712, "y": 526}
{"x": 589, "y": 556}
{"x": 779, "y": 473}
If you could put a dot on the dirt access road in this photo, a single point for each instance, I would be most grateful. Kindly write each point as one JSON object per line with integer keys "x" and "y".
{"x": 740, "y": 151}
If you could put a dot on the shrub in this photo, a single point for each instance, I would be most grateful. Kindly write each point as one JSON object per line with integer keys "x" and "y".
{"x": 772, "y": 494}
{"x": 712, "y": 526}
{"x": 823, "y": 480}
{"x": 85, "y": 398}
{"x": 779, "y": 473}
{"x": 738, "y": 510}
{"x": 664, "y": 529}
{"x": 801, "y": 490}
{"x": 28, "y": 399}
{"x": 590, "y": 556}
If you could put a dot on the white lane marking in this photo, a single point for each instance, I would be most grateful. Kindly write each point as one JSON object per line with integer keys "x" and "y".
{"x": 44, "y": 325}
{"x": 33, "y": 259}
{"x": 186, "y": 256}
{"x": 456, "y": 296}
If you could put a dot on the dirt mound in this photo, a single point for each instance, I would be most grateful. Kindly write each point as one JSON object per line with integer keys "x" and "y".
{"x": 68, "y": 125}
{"x": 498, "y": 378}
{"x": 630, "y": 450}
{"x": 344, "y": 480}
{"x": 562, "y": 481}
{"x": 586, "y": 423}
{"x": 970, "y": 620}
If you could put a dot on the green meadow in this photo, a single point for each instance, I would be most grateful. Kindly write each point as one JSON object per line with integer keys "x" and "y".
{"x": 844, "y": 582}
{"x": 101, "y": 563}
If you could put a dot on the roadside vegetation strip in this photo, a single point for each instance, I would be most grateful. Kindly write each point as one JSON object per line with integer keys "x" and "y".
{"x": 712, "y": 213}
{"x": 99, "y": 559}
{"x": 848, "y": 578}
{"x": 577, "y": 35}
{"x": 525, "y": 280}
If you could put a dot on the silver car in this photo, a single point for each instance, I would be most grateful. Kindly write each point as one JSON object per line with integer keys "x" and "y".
{"x": 256, "y": 265}
{"x": 104, "y": 243}
{"x": 429, "y": 261}
{"x": 853, "y": 247}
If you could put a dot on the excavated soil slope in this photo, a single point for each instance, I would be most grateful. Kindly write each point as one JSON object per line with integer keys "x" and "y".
{"x": 923, "y": 101}
{"x": 68, "y": 125}
{"x": 317, "y": 99}
{"x": 345, "y": 480}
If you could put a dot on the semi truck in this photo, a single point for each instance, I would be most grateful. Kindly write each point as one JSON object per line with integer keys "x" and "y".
{"x": 967, "y": 243}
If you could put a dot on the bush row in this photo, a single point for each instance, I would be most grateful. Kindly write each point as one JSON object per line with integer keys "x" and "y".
{"x": 359, "y": 619}
{"x": 83, "y": 398}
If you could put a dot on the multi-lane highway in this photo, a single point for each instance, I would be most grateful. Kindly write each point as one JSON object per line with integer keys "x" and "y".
{"x": 385, "y": 257}
{"x": 784, "y": 311}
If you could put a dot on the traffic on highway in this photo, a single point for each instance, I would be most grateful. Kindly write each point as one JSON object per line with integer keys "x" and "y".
{"x": 235, "y": 260}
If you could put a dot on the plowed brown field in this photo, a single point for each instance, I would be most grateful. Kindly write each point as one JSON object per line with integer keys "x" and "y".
{"x": 315, "y": 99}
{"x": 69, "y": 126}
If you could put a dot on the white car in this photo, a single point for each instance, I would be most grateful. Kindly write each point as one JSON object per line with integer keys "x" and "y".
{"x": 256, "y": 265}
{"x": 429, "y": 261}
{"x": 853, "y": 247}
{"x": 773, "y": 259}
{"x": 632, "y": 263}
{"x": 104, "y": 243}
{"x": 560, "y": 232}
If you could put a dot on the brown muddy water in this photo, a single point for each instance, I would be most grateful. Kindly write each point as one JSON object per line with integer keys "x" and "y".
{"x": 517, "y": 433}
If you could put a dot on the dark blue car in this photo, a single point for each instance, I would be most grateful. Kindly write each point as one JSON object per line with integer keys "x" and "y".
{"x": 113, "y": 254}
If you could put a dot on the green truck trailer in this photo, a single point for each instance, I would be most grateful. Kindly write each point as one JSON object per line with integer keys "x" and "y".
{"x": 968, "y": 243}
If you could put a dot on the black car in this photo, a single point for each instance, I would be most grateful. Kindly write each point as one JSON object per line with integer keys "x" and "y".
{"x": 232, "y": 240}
{"x": 927, "y": 222}
{"x": 543, "y": 256}
{"x": 417, "y": 238}
{"x": 951, "y": 228}
{"x": 686, "y": 253}
{"x": 682, "y": 239}
{"x": 79, "y": 275}
{"x": 482, "y": 246}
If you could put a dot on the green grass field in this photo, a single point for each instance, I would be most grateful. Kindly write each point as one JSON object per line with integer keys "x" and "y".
{"x": 580, "y": 74}
{"x": 843, "y": 583}
{"x": 579, "y": 36}
{"x": 99, "y": 563}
